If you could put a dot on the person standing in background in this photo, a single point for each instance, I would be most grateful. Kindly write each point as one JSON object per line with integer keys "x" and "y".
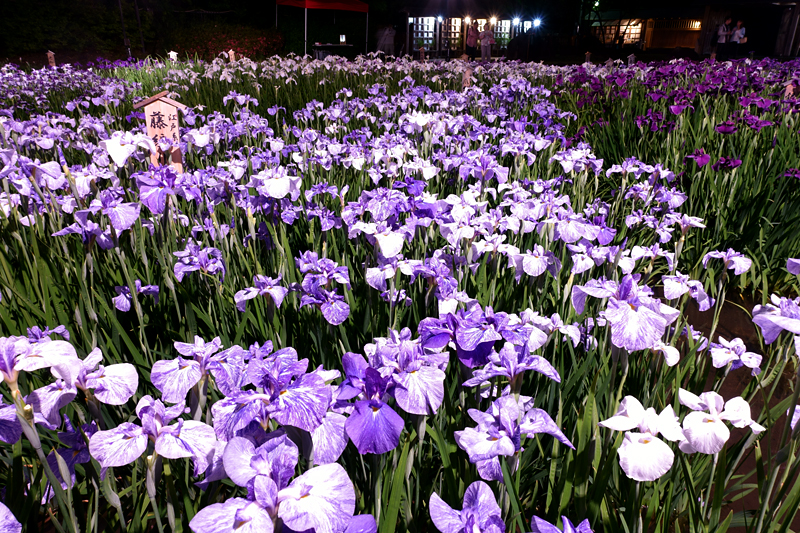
{"x": 472, "y": 40}
{"x": 487, "y": 41}
{"x": 738, "y": 38}
{"x": 723, "y": 36}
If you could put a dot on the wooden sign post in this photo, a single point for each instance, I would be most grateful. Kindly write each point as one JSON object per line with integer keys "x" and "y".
{"x": 231, "y": 55}
{"x": 789, "y": 91}
{"x": 609, "y": 63}
{"x": 588, "y": 57}
{"x": 51, "y": 59}
{"x": 161, "y": 114}
{"x": 631, "y": 60}
{"x": 466, "y": 79}
{"x": 422, "y": 54}
{"x": 173, "y": 56}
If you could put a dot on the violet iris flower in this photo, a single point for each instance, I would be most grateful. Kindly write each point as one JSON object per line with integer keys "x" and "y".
{"x": 732, "y": 260}
{"x": 499, "y": 431}
{"x": 543, "y": 526}
{"x": 773, "y": 318}
{"x": 10, "y": 428}
{"x": 700, "y": 157}
{"x": 194, "y": 258}
{"x": 319, "y": 274}
{"x": 290, "y": 396}
{"x": 123, "y": 300}
{"x": 512, "y": 361}
{"x": 373, "y": 426}
{"x": 156, "y": 186}
{"x": 76, "y": 453}
{"x": 793, "y": 266}
{"x": 734, "y": 352}
{"x": 726, "y": 163}
{"x": 121, "y": 215}
{"x": 264, "y": 286}
{"x": 679, "y": 284}
{"x": 726, "y": 127}
{"x": 8, "y": 522}
{"x": 18, "y": 354}
{"x": 128, "y": 441}
{"x": 321, "y": 499}
{"x": 417, "y": 374}
{"x": 638, "y": 321}
{"x": 175, "y": 377}
{"x": 479, "y": 514}
{"x": 89, "y": 231}
{"x": 37, "y": 334}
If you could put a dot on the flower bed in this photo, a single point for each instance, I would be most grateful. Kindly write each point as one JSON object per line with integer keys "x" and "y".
{"x": 373, "y": 295}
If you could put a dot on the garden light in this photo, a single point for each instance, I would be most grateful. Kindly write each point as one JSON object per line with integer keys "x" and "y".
{"x": 536, "y": 23}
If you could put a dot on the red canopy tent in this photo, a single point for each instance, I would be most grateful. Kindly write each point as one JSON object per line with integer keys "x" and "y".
{"x": 340, "y": 5}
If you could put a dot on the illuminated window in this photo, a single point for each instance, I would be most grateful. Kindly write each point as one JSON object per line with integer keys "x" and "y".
{"x": 423, "y": 31}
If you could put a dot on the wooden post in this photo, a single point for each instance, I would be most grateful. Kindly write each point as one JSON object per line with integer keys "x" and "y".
{"x": 161, "y": 115}
{"x": 422, "y": 53}
{"x": 631, "y": 60}
{"x": 609, "y": 63}
{"x": 466, "y": 79}
{"x": 231, "y": 55}
{"x": 173, "y": 56}
{"x": 588, "y": 57}
{"x": 51, "y": 59}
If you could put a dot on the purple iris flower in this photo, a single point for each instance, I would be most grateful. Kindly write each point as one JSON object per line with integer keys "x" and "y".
{"x": 319, "y": 274}
{"x": 373, "y": 426}
{"x": 512, "y": 361}
{"x": 121, "y": 215}
{"x": 700, "y": 157}
{"x": 9, "y": 522}
{"x": 290, "y": 396}
{"x": 264, "y": 286}
{"x": 543, "y": 526}
{"x": 782, "y": 314}
{"x": 77, "y": 452}
{"x": 732, "y": 259}
{"x": 637, "y": 320}
{"x": 477, "y": 333}
{"x": 10, "y": 428}
{"x": 331, "y": 303}
{"x": 123, "y": 300}
{"x": 499, "y": 432}
{"x": 175, "y": 377}
{"x": 37, "y": 334}
{"x": 726, "y": 128}
{"x": 127, "y": 442}
{"x": 417, "y": 375}
{"x": 321, "y": 499}
{"x": 793, "y": 266}
{"x": 679, "y": 284}
{"x": 156, "y": 186}
{"x": 322, "y": 188}
{"x": 479, "y": 514}
{"x": 240, "y": 99}
{"x": 734, "y": 352}
{"x": 726, "y": 163}
{"x": 537, "y": 261}
{"x": 194, "y": 257}
{"x": 18, "y": 354}
{"x": 89, "y": 231}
